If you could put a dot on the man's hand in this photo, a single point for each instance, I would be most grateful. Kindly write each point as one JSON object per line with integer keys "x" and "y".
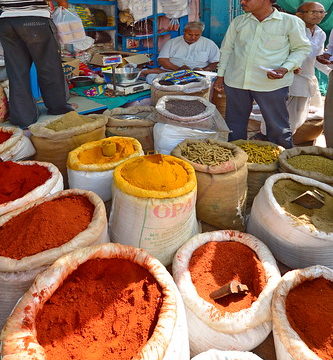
{"x": 324, "y": 59}
{"x": 298, "y": 70}
{"x": 184, "y": 67}
{"x": 278, "y": 73}
{"x": 219, "y": 84}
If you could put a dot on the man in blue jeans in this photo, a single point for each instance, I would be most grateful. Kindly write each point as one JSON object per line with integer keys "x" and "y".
{"x": 258, "y": 55}
{"x": 27, "y": 35}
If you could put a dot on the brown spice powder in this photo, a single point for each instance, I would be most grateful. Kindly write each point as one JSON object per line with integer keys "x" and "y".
{"x": 309, "y": 308}
{"x": 218, "y": 262}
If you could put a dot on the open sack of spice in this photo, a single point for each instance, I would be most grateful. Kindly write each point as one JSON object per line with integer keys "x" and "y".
{"x": 298, "y": 235}
{"x": 238, "y": 319}
{"x": 107, "y": 302}
{"x": 55, "y": 138}
{"x": 314, "y": 162}
{"x": 135, "y": 121}
{"x": 189, "y": 111}
{"x": 303, "y": 316}
{"x": 91, "y": 165}
{"x": 156, "y": 194}
{"x": 214, "y": 354}
{"x": 37, "y": 234}
{"x": 263, "y": 161}
{"x": 221, "y": 172}
{"x": 14, "y": 145}
{"x": 22, "y": 182}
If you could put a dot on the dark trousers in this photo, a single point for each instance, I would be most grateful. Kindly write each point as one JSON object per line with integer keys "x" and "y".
{"x": 273, "y": 108}
{"x": 26, "y": 40}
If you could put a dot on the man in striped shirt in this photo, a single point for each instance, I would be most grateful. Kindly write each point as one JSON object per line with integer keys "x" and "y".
{"x": 28, "y": 35}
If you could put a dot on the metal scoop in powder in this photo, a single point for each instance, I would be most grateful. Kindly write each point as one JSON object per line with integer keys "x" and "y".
{"x": 310, "y": 200}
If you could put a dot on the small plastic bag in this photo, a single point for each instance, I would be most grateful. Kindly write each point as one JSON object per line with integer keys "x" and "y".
{"x": 69, "y": 26}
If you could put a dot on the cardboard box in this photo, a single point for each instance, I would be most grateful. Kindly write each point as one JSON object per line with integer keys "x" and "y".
{"x": 71, "y": 68}
{"x": 102, "y": 59}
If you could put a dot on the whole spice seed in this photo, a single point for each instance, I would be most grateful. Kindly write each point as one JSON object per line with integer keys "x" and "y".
{"x": 107, "y": 309}
{"x": 4, "y": 136}
{"x": 205, "y": 153}
{"x": 309, "y": 308}
{"x": 315, "y": 163}
{"x": 185, "y": 108}
{"x": 260, "y": 154}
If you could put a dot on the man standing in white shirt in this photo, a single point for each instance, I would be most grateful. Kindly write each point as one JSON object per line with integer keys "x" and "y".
{"x": 327, "y": 59}
{"x": 259, "y": 53}
{"x": 305, "y": 82}
{"x": 190, "y": 51}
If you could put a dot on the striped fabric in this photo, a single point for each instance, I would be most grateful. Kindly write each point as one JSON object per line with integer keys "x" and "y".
{"x": 23, "y": 5}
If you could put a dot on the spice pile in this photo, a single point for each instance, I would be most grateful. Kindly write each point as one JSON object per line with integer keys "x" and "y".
{"x": 45, "y": 226}
{"x": 216, "y": 263}
{"x": 106, "y": 309}
{"x": 17, "y": 180}
{"x": 309, "y": 308}
{"x": 314, "y": 163}
{"x": 260, "y": 154}
{"x": 206, "y": 153}
{"x": 321, "y": 219}
{"x": 67, "y": 121}
{"x": 155, "y": 172}
{"x": 4, "y": 136}
{"x": 185, "y": 108}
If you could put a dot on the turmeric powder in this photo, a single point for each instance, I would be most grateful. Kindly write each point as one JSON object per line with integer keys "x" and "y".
{"x": 155, "y": 172}
{"x": 121, "y": 148}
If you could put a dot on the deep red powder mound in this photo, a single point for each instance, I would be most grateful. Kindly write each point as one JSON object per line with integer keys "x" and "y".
{"x": 4, "y": 136}
{"x": 17, "y": 180}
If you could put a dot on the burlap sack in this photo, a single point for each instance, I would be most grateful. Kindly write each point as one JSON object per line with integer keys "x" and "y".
{"x": 258, "y": 173}
{"x": 140, "y": 128}
{"x": 309, "y": 131}
{"x": 307, "y": 150}
{"x": 54, "y": 146}
{"x": 222, "y": 188}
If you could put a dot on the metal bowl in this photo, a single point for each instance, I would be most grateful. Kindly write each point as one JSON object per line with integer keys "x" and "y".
{"x": 127, "y": 75}
{"x": 81, "y": 81}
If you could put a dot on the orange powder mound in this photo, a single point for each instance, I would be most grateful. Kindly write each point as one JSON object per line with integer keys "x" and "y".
{"x": 155, "y": 172}
{"x": 216, "y": 263}
{"x": 45, "y": 226}
{"x": 107, "y": 309}
{"x": 309, "y": 308}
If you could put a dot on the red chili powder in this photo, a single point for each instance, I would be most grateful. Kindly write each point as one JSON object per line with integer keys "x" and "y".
{"x": 309, "y": 308}
{"x": 216, "y": 263}
{"x": 106, "y": 309}
{"x": 4, "y": 136}
{"x": 17, "y": 180}
{"x": 45, "y": 226}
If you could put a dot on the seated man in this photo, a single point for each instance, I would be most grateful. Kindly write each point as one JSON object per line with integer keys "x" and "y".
{"x": 190, "y": 51}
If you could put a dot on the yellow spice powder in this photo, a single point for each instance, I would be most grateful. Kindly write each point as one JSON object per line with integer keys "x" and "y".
{"x": 155, "y": 172}
{"x": 120, "y": 148}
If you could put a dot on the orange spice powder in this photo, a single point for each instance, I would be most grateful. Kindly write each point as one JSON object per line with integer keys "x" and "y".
{"x": 106, "y": 309}
{"x": 216, "y": 263}
{"x": 309, "y": 308}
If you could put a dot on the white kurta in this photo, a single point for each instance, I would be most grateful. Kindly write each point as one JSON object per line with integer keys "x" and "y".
{"x": 196, "y": 55}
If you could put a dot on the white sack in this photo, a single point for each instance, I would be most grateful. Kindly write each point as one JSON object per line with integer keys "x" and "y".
{"x": 17, "y": 147}
{"x": 226, "y": 355}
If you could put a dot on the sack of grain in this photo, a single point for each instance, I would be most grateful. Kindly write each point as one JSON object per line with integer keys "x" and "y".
{"x": 135, "y": 121}
{"x": 297, "y": 236}
{"x": 302, "y": 315}
{"x": 167, "y": 137}
{"x": 221, "y": 172}
{"x": 91, "y": 165}
{"x": 200, "y": 88}
{"x": 314, "y": 162}
{"x": 14, "y": 145}
{"x": 262, "y": 163}
{"x": 25, "y": 181}
{"x": 55, "y": 138}
{"x": 189, "y": 111}
{"x": 226, "y": 355}
{"x": 156, "y": 195}
{"x": 117, "y": 302}
{"x": 207, "y": 262}
{"x": 309, "y": 131}
{"x": 37, "y": 234}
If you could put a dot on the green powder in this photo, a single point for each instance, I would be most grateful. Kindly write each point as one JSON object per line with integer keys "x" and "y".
{"x": 320, "y": 219}
{"x": 314, "y": 163}
{"x": 69, "y": 120}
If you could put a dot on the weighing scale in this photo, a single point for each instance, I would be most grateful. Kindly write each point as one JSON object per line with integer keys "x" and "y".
{"x": 132, "y": 88}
